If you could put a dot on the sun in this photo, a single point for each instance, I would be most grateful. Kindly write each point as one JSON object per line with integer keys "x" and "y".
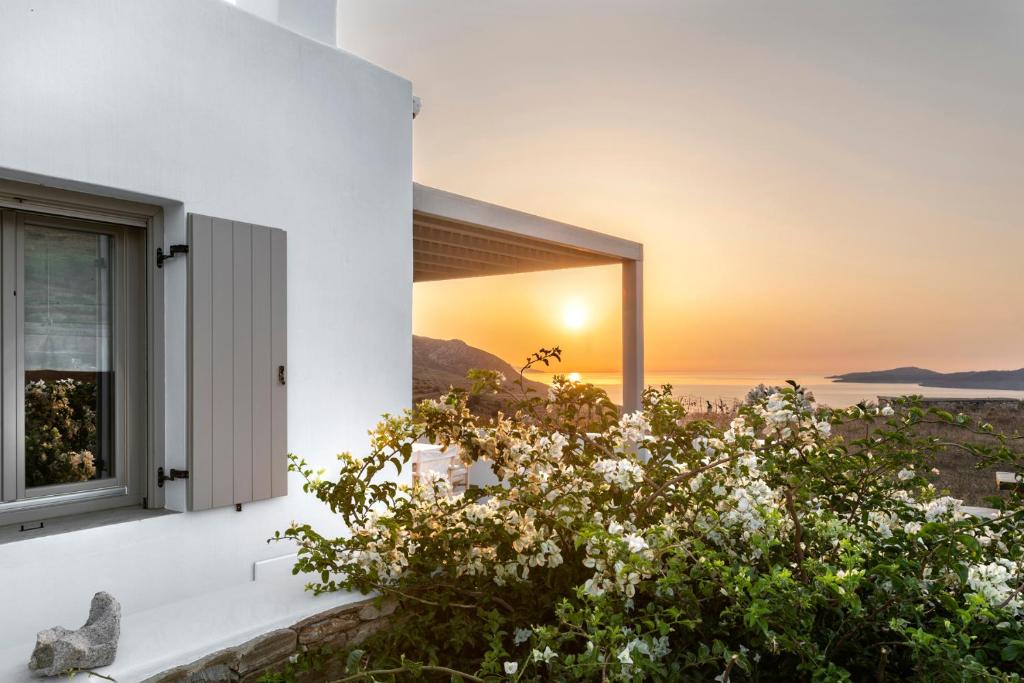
{"x": 574, "y": 315}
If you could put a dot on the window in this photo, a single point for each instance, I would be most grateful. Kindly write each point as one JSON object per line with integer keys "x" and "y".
{"x": 74, "y": 365}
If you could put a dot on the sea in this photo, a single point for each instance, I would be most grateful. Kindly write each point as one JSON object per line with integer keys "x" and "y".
{"x": 726, "y": 388}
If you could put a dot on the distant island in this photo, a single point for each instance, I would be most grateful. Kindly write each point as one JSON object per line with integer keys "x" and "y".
{"x": 1011, "y": 380}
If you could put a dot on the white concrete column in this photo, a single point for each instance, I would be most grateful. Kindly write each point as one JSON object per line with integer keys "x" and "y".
{"x": 632, "y": 333}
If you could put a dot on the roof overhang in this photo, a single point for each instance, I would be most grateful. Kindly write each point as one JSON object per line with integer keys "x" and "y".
{"x": 458, "y": 237}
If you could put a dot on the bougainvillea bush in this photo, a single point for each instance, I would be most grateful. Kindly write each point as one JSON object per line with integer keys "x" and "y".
{"x": 650, "y": 547}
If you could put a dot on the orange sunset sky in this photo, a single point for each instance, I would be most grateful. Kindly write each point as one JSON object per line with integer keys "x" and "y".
{"x": 819, "y": 186}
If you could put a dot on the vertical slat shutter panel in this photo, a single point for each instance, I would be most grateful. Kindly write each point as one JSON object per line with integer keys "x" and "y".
{"x": 242, "y": 357}
{"x": 237, "y": 344}
{"x": 263, "y": 369}
{"x": 279, "y": 351}
{"x": 223, "y": 343}
{"x": 200, "y": 407}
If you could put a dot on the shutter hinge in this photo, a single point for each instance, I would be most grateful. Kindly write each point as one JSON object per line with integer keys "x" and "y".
{"x": 172, "y": 475}
{"x": 172, "y": 251}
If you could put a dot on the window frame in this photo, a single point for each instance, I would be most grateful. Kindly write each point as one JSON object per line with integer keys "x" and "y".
{"x": 137, "y": 351}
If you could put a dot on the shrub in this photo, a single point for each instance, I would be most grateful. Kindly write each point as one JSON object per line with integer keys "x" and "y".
{"x": 652, "y": 547}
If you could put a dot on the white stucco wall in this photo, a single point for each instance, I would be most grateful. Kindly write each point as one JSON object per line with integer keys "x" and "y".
{"x": 316, "y": 19}
{"x": 206, "y": 108}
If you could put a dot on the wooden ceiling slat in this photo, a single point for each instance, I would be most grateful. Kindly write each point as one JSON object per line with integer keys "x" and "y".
{"x": 445, "y": 250}
{"x": 480, "y": 256}
{"x": 482, "y": 233}
{"x": 421, "y": 271}
{"x": 441, "y": 262}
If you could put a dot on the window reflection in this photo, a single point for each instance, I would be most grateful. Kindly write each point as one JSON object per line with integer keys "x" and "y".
{"x": 68, "y": 351}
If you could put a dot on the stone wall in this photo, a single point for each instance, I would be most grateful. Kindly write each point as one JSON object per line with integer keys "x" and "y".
{"x": 338, "y": 628}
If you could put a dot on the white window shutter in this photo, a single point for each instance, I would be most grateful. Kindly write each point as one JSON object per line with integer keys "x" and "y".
{"x": 238, "y": 416}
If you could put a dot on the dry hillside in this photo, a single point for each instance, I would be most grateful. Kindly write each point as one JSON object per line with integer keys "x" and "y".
{"x": 441, "y": 363}
{"x": 959, "y": 472}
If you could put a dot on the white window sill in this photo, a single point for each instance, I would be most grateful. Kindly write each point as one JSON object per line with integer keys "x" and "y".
{"x": 12, "y": 533}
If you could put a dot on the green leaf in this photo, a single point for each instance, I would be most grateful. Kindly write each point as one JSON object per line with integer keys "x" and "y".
{"x": 352, "y": 661}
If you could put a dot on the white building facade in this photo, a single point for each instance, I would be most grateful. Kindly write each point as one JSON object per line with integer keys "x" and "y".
{"x": 129, "y": 124}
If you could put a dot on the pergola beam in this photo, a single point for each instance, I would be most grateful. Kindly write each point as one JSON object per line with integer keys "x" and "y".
{"x": 456, "y": 237}
{"x": 428, "y": 201}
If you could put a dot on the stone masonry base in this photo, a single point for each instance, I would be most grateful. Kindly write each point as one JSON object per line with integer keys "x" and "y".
{"x": 337, "y": 628}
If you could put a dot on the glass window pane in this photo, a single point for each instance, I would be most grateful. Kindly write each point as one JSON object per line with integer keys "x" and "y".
{"x": 68, "y": 351}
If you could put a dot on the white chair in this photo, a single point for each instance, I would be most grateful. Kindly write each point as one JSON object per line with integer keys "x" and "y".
{"x": 446, "y": 463}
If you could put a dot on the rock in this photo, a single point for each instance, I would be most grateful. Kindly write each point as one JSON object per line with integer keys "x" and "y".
{"x": 373, "y": 611}
{"x": 345, "y": 611}
{"x": 368, "y": 629}
{"x": 326, "y": 631}
{"x": 216, "y": 668}
{"x": 259, "y": 653}
{"x": 59, "y": 650}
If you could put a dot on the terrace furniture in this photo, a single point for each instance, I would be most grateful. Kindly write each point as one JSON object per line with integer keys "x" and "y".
{"x": 445, "y": 463}
{"x": 1007, "y": 481}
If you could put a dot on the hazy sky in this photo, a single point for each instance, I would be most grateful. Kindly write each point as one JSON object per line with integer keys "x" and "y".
{"x": 819, "y": 186}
